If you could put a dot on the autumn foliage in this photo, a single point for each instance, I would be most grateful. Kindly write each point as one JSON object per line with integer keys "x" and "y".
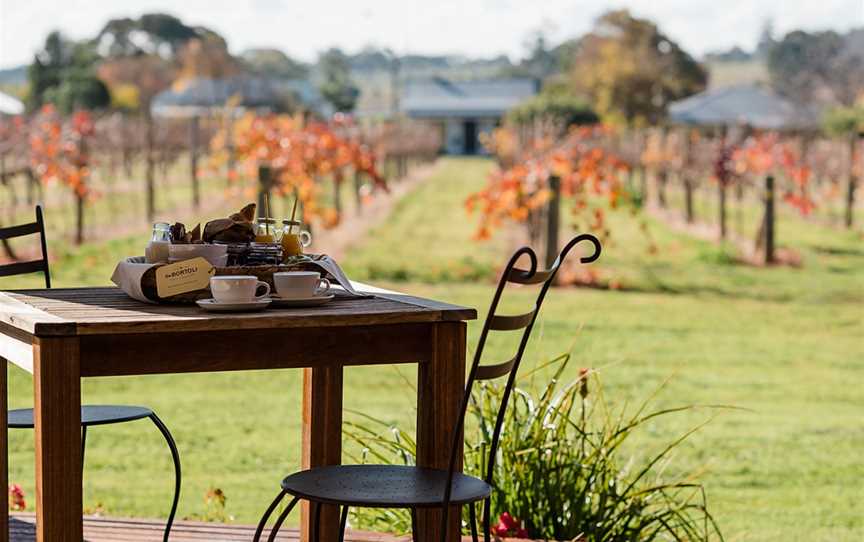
{"x": 58, "y": 149}
{"x": 300, "y": 154}
{"x": 590, "y": 173}
{"x": 769, "y": 154}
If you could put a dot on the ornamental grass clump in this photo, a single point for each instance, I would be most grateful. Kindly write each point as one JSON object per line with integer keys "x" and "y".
{"x": 562, "y": 471}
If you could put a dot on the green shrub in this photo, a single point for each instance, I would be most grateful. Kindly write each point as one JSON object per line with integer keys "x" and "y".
{"x": 561, "y": 468}
{"x": 841, "y": 121}
{"x": 555, "y": 106}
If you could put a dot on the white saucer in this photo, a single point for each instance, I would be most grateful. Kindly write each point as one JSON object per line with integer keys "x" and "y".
{"x": 244, "y": 306}
{"x": 313, "y": 301}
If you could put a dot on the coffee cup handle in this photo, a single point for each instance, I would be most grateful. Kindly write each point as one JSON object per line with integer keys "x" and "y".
{"x": 323, "y": 287}
{"x": 266, "y": 289}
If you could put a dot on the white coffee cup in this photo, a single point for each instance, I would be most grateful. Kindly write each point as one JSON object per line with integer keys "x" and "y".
{"x": 237, "y": 288}
{"x": 300, "y": 284}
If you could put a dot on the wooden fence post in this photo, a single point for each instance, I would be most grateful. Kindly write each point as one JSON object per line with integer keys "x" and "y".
{"x": 849, "y": 219}
{"x": 553, "y": 219}
{"x": 769, "y": 219}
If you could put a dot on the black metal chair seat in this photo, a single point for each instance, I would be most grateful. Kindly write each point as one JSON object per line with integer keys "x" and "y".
{"x": 22, "y": 418}
{"x": 384, "y": 486}
{"x": 91, "y": 415}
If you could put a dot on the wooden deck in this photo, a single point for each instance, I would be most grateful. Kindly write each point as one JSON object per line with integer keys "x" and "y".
{"x": 22, "y": 528}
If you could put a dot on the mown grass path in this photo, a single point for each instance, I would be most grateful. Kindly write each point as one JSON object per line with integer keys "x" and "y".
{"x": 783, "y": 343}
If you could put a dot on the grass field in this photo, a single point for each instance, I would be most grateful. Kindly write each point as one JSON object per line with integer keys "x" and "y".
{"x": 783, "y": 344}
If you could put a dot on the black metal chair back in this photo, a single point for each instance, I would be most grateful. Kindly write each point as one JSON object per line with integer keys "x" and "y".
{"x": 32, "y": 266}
{"x": 509, "y": 368}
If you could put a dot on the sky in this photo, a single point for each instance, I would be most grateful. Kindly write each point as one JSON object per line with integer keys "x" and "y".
{"x": 469, "y": 27}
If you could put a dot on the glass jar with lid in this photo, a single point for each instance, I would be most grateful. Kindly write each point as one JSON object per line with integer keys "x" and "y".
{"x": 294, "y": 238}
{"x": 266, "y": 231}
{"x": 157, "y": 249}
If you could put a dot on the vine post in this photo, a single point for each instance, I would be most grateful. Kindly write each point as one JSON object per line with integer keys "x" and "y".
{"x": 193, "y": 161}
{"x": 688, "y": 179}
{"x": 849, "y": 219}
{"x": 358, "y": 192}
{"x": 769, "y": 220}
{"x": 265, "y": 184}
{"x": 150, "y": 174}
{"x": 721, "y": 204}
{"x": 553, "y": 220}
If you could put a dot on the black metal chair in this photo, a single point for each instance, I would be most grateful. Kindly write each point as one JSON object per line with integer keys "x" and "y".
{"x": 90, "y": 414}
{"x": 391, "y": 486}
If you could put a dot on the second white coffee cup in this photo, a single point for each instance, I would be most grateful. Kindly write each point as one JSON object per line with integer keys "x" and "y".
{"x": 300, "y": 284}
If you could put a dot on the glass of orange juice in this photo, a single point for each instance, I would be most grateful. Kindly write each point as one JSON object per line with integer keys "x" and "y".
{"x": 294, "y": 238}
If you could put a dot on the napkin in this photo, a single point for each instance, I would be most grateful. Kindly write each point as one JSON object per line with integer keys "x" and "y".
{"x": 129, "y": 272}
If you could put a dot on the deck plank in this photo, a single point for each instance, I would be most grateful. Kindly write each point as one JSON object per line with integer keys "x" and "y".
{"x": 22, "y": 528}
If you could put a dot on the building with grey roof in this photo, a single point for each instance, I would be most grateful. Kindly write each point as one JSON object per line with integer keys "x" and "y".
{"x": 464, "y": 109}
{"x": 201, "y": 95}
{"x": 745, "y": 105}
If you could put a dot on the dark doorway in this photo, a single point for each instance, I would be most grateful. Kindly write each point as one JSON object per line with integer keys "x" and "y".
{"x": 470, "y": 137}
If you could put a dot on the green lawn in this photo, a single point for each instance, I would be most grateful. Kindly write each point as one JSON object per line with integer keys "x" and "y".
{"x": 785, "y": 344}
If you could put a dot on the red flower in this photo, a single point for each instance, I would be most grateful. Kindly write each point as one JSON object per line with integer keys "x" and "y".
{"x": 508, "y": 526}
{"x": 16, "y": 498}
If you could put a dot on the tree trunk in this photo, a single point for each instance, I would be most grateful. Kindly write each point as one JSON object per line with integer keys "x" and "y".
{"x": 150, "y": 173}
{"x": 193, "y": 161}
{"x": 553, "y": 220}
{"x": 721, "y": 200}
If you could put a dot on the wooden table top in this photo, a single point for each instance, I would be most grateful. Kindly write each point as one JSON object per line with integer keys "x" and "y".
{"x": 97, "y": 311}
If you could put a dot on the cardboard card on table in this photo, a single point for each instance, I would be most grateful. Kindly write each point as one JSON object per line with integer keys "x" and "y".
{"x": 182, "y": 277}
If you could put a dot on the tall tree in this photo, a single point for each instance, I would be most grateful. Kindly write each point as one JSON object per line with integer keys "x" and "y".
{"x": 274, "y": 63}
{"x": 64, "y": 73}
{"x": 337, "y": 86}
{"x": 152, "y": 33}
{"x": 820, "y": 67}
{"x": 631, "y": 70}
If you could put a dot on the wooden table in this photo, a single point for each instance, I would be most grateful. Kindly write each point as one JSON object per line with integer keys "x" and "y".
{"x": 62, "y": 335}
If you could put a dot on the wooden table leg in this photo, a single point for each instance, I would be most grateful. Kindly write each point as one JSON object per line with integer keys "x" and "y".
{"x": 322, "y": 439}
{"x": 440, "y": 386}
{"x": 57, "y": 405}
{"x": 4, "y": 454}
